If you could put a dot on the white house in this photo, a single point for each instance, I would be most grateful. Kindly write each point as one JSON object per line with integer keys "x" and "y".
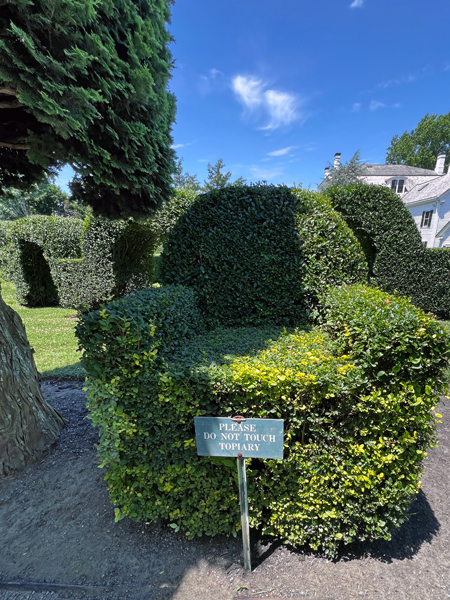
{"x": 425, "y": 193}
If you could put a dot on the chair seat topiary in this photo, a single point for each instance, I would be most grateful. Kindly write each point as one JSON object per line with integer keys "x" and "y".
{"x": 356, "y": 394}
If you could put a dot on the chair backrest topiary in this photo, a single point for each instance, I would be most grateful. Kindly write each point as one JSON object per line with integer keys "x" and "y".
{"x": 397, "y": 259}
{"x": 260, "y": 254}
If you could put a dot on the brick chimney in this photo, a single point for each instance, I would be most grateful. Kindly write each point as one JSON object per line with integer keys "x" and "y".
{"x": 440, "y": 162}
{"x": 327, "y": 172}
{"x": 337, "y": 160}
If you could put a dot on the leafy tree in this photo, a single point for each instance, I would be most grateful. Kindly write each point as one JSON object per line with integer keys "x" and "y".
{"x": 420, "y": 147}
{"x": 217, "y": 179}
{"x": 85, "y": 83}
{"x": 346, "y": 174}
{"x": 41, "y": 199}
{"x": 184, "y": 181}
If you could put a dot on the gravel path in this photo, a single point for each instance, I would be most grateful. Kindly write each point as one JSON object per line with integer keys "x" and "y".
{"x": 59, "y": 539}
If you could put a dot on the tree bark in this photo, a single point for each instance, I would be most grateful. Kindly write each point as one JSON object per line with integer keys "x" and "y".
{"x": 18, "y": 146}
{"x": 11, "y": 103}
{"x": 28, "y": 425}
{"x": 8, "y": 91}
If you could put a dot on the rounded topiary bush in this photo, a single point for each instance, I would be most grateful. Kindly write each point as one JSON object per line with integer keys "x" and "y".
{"x": 260, "y": 254}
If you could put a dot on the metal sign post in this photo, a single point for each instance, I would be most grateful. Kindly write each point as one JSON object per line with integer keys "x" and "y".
{"x": 241, "y": 438}
{"x": 243, "y": 499}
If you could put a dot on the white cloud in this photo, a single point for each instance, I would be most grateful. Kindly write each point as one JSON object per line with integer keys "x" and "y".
{"x": 281, "y": 152}
{"x": 248, "y": 90}
{"x": 356, "y": 107}
{"x": 281, "y": 108}
{"x": 265, "y": 174}
{"x": 215, "y": 73}
{"x": 356, "y": 3}
{"x": 374, "y": 105}
{"x": 396, "y": 82}
{"x": 175, "y": 146}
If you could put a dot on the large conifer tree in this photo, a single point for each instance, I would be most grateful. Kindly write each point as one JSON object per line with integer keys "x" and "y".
{"x": 85, "y": 82}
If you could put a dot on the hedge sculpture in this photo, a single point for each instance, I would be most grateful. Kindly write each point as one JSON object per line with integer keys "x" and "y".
{"x": 356, "y": 386}
{"x": 397, "y": 259}
{"x": 79, "y": 265}
{"x": 356, "y": 395}
{"x": 260, "y": 254}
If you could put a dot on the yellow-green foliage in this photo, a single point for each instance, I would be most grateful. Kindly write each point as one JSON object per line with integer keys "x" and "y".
{"x": 354, "y": 441}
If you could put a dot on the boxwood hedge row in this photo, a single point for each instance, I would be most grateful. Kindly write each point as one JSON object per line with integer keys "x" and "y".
{"x": 260, "y": 254}
{"x": 356, "y": 393}
{"x": 397, "y": 259}
{"x": 77, "y": 264}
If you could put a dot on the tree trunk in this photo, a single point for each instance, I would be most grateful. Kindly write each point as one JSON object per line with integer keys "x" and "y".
{"x": 28, "y": 425}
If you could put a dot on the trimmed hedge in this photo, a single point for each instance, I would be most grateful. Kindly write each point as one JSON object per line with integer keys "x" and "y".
{"x": 79, "y": 265}
{"x": 5, "y": 242}
{"x": 397, "y": 259}
{"x": 389, "y": 338}
{"x": 332, "y": 255}
{"x": 158, "y": 318}
{"x": 253, "y": 255}
{"x": 37, "y": 245}
{"x": 354, "y": 440}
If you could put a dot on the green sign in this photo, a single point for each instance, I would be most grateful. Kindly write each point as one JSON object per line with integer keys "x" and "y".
{"x": 241, "y": 438}
{"x": 249, "y": 438}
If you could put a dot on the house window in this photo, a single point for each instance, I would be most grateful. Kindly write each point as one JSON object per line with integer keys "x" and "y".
{"x": 424, "y": 243}
{"x": 398, "y": 186}
{"x": 426, "y": 218}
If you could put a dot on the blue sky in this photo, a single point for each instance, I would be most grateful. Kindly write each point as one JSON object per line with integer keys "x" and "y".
{"x": 275, "y": 88}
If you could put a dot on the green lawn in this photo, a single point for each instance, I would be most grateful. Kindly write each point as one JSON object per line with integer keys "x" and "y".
{"x": 51, "y": 334}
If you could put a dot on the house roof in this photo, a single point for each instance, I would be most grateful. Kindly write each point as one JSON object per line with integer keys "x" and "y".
{"x": 397, "y": 170}
{"x": 428, "y": 190}
{"x": 443, "y": 230}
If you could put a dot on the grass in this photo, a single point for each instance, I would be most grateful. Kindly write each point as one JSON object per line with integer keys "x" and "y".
{"x": 51, "y": 333}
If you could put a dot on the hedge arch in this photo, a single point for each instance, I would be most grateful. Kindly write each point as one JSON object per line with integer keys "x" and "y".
{"x": 398, "y": 261}
{"x": 260, "y": 254}
{"x": 77, "y": 264}
{"x": 36, "y": 276}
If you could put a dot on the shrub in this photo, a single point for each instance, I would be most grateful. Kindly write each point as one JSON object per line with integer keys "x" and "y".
{"x": 79, "y": 265}
{"x": 390, "y": 339}
{"x": 397, "y": 259}
{"x": 332, "y": 255}
{"x": 128, "y": 328}
{"x": 353, "y": 446}
{"x": 37, "y": 244}
{"x": 5, "y": 242}
{"x": 252, "y": 257}
{"x": 117, "y": 259}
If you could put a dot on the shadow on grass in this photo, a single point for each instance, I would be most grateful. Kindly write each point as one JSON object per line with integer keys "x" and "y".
{"x": 73, "y": 371}
{"x": 420, "y": 528}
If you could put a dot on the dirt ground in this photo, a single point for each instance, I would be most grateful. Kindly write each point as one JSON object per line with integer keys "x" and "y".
{"x": 58, "y": 539}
